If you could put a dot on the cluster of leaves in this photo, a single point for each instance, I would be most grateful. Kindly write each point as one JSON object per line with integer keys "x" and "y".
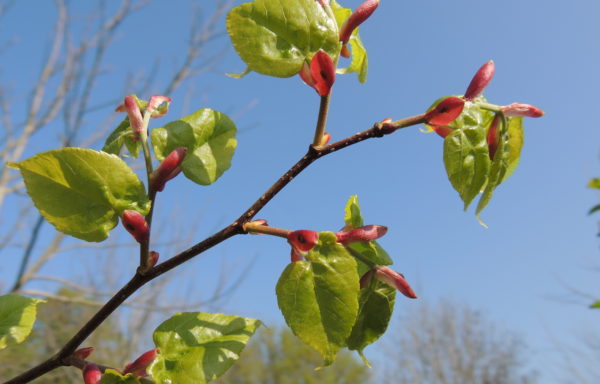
{"x": 323, "y": 298}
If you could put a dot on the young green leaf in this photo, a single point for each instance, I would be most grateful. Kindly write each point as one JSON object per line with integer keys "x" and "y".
{"x": 82, "y": 192}
{"x": 276, "y": 37}
{"x": 594, "y": 183}
{"x": 122, "y": 136}
{"x": 197, "y": 347}
{"x": 514, "y": 144}
{"x": 359, "y": 61}
{"x": 376, "y": 305}
{"x": 371, "y": 250}
{"x": 17, "y": 315}
{"x": 110, "y": 376}
{"x": 595, "y": 305}
{"x": 210, "y": 139}
{"x": 319, "y": 297}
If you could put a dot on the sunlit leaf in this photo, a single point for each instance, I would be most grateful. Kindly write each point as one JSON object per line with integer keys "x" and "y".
{"x": 17, "y": 315}
{"x": 110, "y": 376}
{"x": 319, "y": 297}
{"x": 594, "y": 183}
{"x": 516, "y": 138}
{"x": 210, "y": 139}
{"x": 82, "y": 192}
{"x": 197, "y": 347}
{"x": 275, "y": 37}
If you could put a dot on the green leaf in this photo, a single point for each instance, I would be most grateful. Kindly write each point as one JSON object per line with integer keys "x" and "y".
{"x": 376, "y": 305}
{"x": 371, "y": 250}
{"x": 82, "y": 192}
{"x": 466, "y": 154}
{"x": 359, "y": 61}
{"x": 17, "y": 315}
{"x": 595, "y": 305}
{"x": 319, "y": 297}
{"x": 197, "y": 347}
{"x": 275, "y": 37}
{"x": 210, "y": 139}
{"x": 594, "y": 183}
{"x": 110, "y": 376}
{"x": 121, "y": 136}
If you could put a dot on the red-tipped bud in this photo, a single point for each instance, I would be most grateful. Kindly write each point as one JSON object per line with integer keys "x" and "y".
{"x": 152, "y": 258}
{"x": 135, "y": 116}
{"x": 83, "y": 353}
{"x": 481, "y": 79}
{"x": 394, "y": 279}
{"x": 366, "y": 278}
{"x": 138, "y": 367}
{"x": 158, "y": 105}
{"x": 135, "y": 223}
{"x": 304, "y": 239}
{"x": 325, "y": 139}
{"x": 357, "y": 17}
{"x": 91, "y": 374}
{"x": 493, "y": 138}
{"x": 442, "y": 130}
{"x": 322, "y": 71}
{"x": 168, "y": 169}
{"x": 366, "y": 233}
{"x": 446, "y": 111}
{"x": 306, "y": 76}
{"x": 518, "y": 109}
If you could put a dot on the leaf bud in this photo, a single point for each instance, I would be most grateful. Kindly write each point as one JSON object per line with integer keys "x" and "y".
{"x": 303, "y": 240}
{"x": 442, "y": 130}
{"x": 357, "y": 17}
{"x": 325, "y": 139}
{"x": 83, "y": 353}
{"x": 481, "y": 79}
{"x": 135, "y": 115}
{"x": 138, "y": 367}
{"x": 518, "y": 109}
{"x": 493, "y": 138}
{"x": 366, "y": 233}
{"x": 322, "y": 71}
{"x": 135, "y": 223}
{"x": 394, "y": 279}
{"x": 446, "y": 111}
{"x": 168, "y": 169}
{"x": 296, "y": 255}
{"x": 152, "y": 258}
{"x": 91, "y": 374}
{"x": 158, "y": 105}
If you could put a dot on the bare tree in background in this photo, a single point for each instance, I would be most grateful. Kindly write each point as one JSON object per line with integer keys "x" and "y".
{"x": 60, "y": 101}
{"x": 449, "y": 343}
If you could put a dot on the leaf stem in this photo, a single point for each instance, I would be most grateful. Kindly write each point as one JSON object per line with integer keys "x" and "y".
{"x": 254, "y": 227}
{"x": 145, "y": 245}
{"x": 321, "y": 120}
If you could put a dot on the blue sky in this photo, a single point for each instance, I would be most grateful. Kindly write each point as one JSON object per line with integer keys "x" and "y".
{"x": 540, "y": 239}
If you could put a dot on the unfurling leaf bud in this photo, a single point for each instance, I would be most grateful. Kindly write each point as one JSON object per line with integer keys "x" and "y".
{"x": 493, "y": 138}
{"x": 91, "y": 374}
{"x": 322, "y": 71}
{"x": 303, "y": 240}
{"x": 442, "y": 130}
{"x": 357, "y": 17}
{"x": 135, "y": 223}
{"x": 481, "y": 79}
{"x": 168, "y": 169}
{"x": 518, "y": 109}
{"x": 158, "y": 105}
{"x": 138, "y": 367}
{"x": 135, "y": 116}
{"x": 366, "y": 233}
{"x": 446, "y": 111}
{"x": 394, "y": 279}
{"x": 83, "y": 353}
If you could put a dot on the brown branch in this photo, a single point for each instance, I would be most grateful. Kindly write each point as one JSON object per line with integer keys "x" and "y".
{"x": 236, "y": 228}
